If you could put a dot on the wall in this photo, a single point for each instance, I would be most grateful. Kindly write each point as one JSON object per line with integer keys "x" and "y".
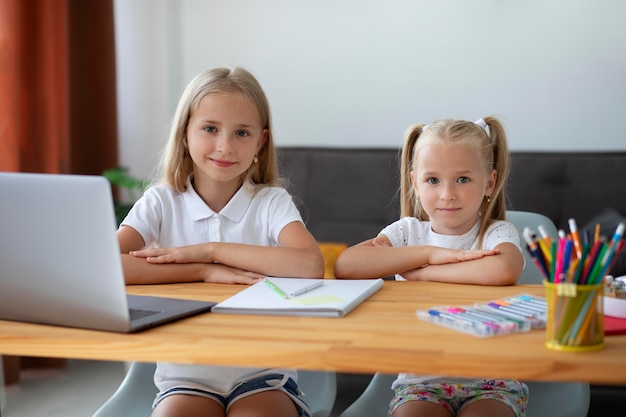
{"x": 357, "y": 73}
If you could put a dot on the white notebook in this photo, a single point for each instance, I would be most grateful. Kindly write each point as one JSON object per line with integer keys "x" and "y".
{"x": 333, "y": 298}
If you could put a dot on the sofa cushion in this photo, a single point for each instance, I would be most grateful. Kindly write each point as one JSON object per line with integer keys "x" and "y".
{"x": 564, "y": 185}
{"x": 344, "y": 195}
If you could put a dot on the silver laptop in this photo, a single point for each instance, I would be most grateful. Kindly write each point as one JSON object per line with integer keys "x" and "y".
{"x": 60, "y": 262}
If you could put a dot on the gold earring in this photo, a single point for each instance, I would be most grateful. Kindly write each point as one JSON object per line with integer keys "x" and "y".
{"x": 488, "y": 199}
{"x": 256, "y": 159}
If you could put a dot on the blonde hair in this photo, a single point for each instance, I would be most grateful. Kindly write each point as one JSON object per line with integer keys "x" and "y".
{"x": 176, "y": 163}
{"x": 492, "y": 148}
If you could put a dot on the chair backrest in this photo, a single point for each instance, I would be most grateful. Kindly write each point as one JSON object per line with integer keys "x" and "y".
{"x": 558, "y": 399}
{"x": 522, "y": 219}
{"x": 320, "y": 391}
{"x": 134, "y": 396}
{"x": 374, "y": 401}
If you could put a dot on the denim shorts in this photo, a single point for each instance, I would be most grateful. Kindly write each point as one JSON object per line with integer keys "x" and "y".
{"x": 264, "y": 383}
{"x": 454, "y": 395}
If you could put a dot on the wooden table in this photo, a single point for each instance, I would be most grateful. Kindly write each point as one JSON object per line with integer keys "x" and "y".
{"x": 383, "y": 334}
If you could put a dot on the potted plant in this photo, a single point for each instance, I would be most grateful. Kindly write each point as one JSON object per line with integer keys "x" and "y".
{"x": 128, "y": 190}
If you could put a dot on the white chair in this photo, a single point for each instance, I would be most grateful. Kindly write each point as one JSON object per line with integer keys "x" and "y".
{"x": 546, "y": 399}
{"x": 375, "y": 399}
{"x": 522, "y": 219}
{"x": 135, "y": 394}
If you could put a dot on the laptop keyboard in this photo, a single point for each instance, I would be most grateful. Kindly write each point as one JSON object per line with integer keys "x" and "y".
{"x": 136, "y": 313}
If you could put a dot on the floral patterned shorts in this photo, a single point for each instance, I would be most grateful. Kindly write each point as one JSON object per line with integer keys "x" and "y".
{"x": 455, "y": 395}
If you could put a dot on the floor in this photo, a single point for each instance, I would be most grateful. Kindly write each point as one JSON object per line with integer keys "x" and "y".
{"x": 63, "y": 393}
{"x": 70, "y": 392}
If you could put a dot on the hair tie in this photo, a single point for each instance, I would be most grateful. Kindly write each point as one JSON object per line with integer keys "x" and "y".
{"x": 481, "y": 122}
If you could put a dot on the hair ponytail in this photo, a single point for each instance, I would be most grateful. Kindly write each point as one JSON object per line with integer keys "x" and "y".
{"x": 408, "y": 198}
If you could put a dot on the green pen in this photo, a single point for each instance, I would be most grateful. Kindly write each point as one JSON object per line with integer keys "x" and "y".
{"x": 276, "y": 288}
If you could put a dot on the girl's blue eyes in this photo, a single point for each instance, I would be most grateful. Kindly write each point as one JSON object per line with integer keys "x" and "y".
{"x": 461, "y": 180}
{"x": 212, "y": 129}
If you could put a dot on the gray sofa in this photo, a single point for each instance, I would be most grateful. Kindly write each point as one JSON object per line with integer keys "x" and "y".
{"x": 347, "y": 195}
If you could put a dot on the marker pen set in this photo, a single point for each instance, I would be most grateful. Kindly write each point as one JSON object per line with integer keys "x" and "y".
{"x": 508, "y": 315}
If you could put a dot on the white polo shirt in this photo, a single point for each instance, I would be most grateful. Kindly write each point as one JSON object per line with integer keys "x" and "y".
{"x": 166, "y": 218}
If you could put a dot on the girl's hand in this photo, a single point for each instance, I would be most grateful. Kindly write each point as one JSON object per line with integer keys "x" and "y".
{"x": 178, "y": 255}
{"x": 225, "y": 274}
{"x": 381, "y": 241}
{"x": 438, "y": 256}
